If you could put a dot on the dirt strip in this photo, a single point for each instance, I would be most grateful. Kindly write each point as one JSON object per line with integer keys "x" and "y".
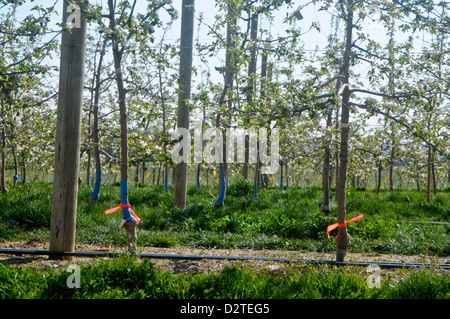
{"x": 189, "y": 266}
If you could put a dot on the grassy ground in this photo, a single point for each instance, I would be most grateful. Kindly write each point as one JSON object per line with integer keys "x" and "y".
{"x": 395, "y": 223}
{"x": 126, "y": 278}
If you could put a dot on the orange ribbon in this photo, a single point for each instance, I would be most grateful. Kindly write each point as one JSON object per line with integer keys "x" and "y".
{"x": 112, "y": 210}
{"x": 336, "y": 225}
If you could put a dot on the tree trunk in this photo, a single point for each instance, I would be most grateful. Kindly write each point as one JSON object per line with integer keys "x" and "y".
{"x": 429, "y": 175}
{"x": 199, "y": 185}
{"x": 342, "y": 239}
{"x": 448, "y": 174}
{"x": 154, "y": 174}
{"x": 95, "y": 131}
{"x": 418, "y": 182}
{"x": 326, "y": 187}
{"x": 286, "y": 175}
{"x": 229, "y": 75}
{"x": 24, "y": 171}
{"x": 166, "y": 177}
{"x": 256, "y": 176}
{"x": 164, "y": 139}
{"x": 159, "y": 174}
{"x": 136, "y": 176}
{"x": 4, "y": 188}
{"x": 16, "y": 167}
{"x": 187, "y": 31}
{"x": 336, "y": 155}
{"x": 281, "y": 174}
{"x": 380, "y": 170}
{"x": 129, "y": 221}
{"x": 264, "y": 81}
{"x": 88, "y": 165}
{"x": 391, "y": 170}
{"x": 433, "y": 172}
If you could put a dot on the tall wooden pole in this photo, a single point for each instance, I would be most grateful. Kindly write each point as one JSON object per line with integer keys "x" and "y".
{"x": 68, "y": 130}
{"x": 187, "y": 32}
{"x": 251, "y": 86}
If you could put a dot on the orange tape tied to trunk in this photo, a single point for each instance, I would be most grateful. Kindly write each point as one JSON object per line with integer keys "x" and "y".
{"x": 112, "y": 210}
{"x": 336, "y": 225}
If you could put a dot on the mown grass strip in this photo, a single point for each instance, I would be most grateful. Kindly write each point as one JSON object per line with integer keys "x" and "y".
{"x": 126, "y": 278}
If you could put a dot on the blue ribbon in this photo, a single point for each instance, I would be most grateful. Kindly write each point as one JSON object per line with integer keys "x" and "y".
{"x": 98, "y": 180}
{"x": 166, "y": 184}
{"x": 219, "y": 200}
{"x": 124, "y": 199}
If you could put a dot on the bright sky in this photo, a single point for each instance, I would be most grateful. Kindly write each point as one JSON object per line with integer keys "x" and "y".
{"x": 312, "y": 39}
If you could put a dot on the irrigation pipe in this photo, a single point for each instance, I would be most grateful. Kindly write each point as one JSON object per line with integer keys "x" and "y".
{"x": 380, "y": 264}
{"x": 431, "y": 223}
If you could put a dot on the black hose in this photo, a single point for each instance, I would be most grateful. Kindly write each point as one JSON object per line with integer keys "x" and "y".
{"x": 380, "y": 264}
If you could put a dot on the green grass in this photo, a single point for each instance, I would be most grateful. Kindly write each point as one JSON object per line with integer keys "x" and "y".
{"x": 288, "y": 219}
{"x": 126, "y": 278}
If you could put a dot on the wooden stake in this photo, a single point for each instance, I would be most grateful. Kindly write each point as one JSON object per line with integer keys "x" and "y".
{"x": 187, "y": 32}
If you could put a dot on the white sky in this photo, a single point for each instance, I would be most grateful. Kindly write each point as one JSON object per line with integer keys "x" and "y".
{"x": 311, "y": 14}
{"x": 312, "y": 39}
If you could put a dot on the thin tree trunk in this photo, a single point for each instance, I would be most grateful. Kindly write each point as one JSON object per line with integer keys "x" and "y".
{"x": 429, "y": 175}
{"x": 380, "y": 170}
{"x": 159, "y": 174}
{"x": 16, "y": 165}
{"x": 433, "y": 172}
{"x": 229, "y": 75}
{"x": 199, "y": 185}
{"x": 154, "y": 174}
{"x": 281, "y": 174}
{"x": 166, "y": 177}
{"x": 391, "y": 170}
{"x": 24, "y": 171}
{"x": 342, "y": 239}
{"x": 95, "y": 131}
{"x": 136, "y": 177}
{"x": 130, "y": 221}
{"x": 256, "y": 177}
{"x": 336, "y": 155}
{"x": 164, "y": 140}
{"x": 325, "y": 207}
{"x": 263, "y": 94}
{"x": 4, "y": 188}
{"x": 448, "y": 174}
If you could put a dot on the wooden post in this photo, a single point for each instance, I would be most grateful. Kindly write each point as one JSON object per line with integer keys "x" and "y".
{"x": 187, "y": 32}
{"x": 68, "y": 131}
{"x": 251, "y": 83}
